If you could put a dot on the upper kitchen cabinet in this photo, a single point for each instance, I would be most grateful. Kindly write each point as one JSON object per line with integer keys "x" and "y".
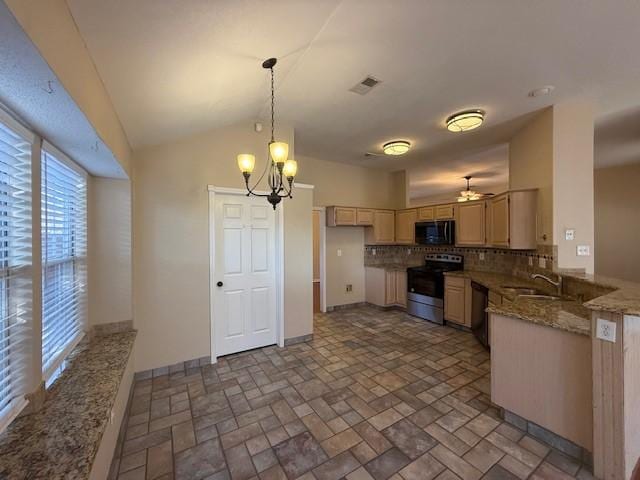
{"x": 383, "y": 229}
{"x": 406, "y": 226}
{"x": 426, "y": 213}
{"x": 511, "y": 220}
{"x": 444, "y": 212}
{"x": 339, "y": 216}
{"x": 470, "y": 227}
{"x": 364, "y": 216}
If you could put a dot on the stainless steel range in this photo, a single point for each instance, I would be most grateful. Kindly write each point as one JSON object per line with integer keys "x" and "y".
{"x": 425, "y": 285}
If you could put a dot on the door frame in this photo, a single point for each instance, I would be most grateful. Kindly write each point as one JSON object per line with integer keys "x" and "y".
{"x": 279, "y": 263}
{"x": 323, "y": 249}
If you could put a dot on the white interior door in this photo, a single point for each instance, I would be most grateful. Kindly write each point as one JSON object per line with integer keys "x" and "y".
{"x": 244, "y": 309}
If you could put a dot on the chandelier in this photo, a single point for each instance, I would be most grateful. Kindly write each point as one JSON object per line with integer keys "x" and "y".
{"x": 281, "y": 170}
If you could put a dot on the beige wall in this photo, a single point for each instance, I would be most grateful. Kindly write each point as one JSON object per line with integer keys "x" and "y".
{"x": 171, "y": 241}
{"x": 349, "y": 185}
{"x": 52, "y": 29}
{"x": 347, "y": 268}
{"x": 617, "y": 222}
{"x": 573, "y": 182}
{"x": 109, "y": 212}
{"x": 531, "y": 166}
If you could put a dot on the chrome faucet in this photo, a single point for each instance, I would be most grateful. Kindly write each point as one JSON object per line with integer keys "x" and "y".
{"x": 557, "y": 284}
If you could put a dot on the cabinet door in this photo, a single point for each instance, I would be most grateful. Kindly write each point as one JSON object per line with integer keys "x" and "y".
{"x": 444, "y": 212}
{"x": 401, "y": 288}
{"x": 390, "y": 287}
{"x": 384, "y": 226}
{"x": 470, "y": 227}
{"x": 364, "y": 216}
{"x": 425, "y": 213}
{"x": 406, "y": 226}
{"x": 454, "y": 303}
{"x": 499, "y": 221}
{"x": 345, "y": 215}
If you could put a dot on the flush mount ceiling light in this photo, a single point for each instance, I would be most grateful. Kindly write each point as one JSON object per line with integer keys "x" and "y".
{"x": 280, "y": 170}
{"x": 397, "y": 147}
{"x": 463, "y": 121}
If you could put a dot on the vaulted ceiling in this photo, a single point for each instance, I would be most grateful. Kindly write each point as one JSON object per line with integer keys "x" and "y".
{"x": 177, "y": 67}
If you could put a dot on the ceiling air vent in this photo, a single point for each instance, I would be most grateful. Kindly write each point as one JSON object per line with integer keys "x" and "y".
{"x": 365, "y": 85}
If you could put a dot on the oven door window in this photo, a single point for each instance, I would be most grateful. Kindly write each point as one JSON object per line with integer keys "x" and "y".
{"x": 428, "y": 284}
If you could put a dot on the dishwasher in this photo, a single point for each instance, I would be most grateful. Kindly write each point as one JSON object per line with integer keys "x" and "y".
{"x": 479, "y": 316}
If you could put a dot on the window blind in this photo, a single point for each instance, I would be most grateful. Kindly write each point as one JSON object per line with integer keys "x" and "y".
{"x": 15, "y": 269}
{"x": 64, "y": 250}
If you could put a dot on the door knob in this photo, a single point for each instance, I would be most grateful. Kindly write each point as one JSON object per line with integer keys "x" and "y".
{"x": 219, "y": 284}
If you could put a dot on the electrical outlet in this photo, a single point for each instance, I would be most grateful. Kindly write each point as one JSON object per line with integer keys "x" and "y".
{"x": 531, "y": 261}
{"x": 606, "y": 330}
{"x": 339, "y": 252}
{"x": 373, "y": 252}
{"x": 583, "y": 250}
{"x": 481, "y": 256}
{"x": 569, "y": 234}
{"x": 349, "y": 288}
{"x": 408, "y": 251}
{"x": 542, "y": 262}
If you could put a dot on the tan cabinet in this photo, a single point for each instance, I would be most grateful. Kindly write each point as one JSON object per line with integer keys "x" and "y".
{"x": 470, "y": 226}
{"x": 426, "y": 214}
{"x": 341, "y": 216}
{"x": 444, "y": 212}
{"x": 511, "y": 220}
{"x": 364, "y": 216}
{"x": 457, "y": 300}
{"x": 406, "y": 226}
{"x": 383, "y": 229}
{"x": 385, "y": 288}
{"x": 401, "y": 288}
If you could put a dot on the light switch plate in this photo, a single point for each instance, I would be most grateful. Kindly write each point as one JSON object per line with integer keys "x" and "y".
{"x": 339, "y": 252}
{"x": 569, "y": 234}
{"x": 408, "y": 251}
{"x": 542, "y": 262}
{"x": 373, "y": 251}
{"x": 531, "y": 261}
{"x": 606, "y": 330}
{"x": 583, "y": 250}
{"x": 481, "y": 254}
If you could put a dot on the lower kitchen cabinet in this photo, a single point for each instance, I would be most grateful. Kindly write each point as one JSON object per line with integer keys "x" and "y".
{"x": 385, "y": 288}
{"x": 457, "y": 300}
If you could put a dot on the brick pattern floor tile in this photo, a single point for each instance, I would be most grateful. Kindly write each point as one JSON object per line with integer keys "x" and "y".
{"x": 375, "y": 395}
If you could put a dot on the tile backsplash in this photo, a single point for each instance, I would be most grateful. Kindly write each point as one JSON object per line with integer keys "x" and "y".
{"x": 510, "y": 262}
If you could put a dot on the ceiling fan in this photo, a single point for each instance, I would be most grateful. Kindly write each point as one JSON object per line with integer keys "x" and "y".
{"x": 469, "y": 194}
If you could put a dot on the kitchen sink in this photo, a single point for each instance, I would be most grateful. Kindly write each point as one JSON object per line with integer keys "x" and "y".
{"x": 522, "y": 290}
{"x": 537, "y": 296}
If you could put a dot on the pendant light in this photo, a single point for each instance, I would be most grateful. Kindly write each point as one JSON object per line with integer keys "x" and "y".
{"x": 280, "y": 170}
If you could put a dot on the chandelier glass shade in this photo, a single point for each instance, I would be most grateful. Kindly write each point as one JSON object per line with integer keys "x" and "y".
{"x": 468, "y": 194}
{"x": 280, "y": 170}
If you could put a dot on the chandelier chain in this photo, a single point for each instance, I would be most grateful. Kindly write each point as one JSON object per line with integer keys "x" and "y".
{"x": 272, "y": 106}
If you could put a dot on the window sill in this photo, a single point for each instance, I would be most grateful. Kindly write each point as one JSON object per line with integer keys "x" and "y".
{"x": 62, "y": 439}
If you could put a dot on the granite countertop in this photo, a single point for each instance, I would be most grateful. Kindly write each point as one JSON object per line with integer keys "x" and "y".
{"x": 566, "y": 314}
{"x": 623, "y": 299}
{"x": 391, "y": 266}
{"x": 61, "y": 440}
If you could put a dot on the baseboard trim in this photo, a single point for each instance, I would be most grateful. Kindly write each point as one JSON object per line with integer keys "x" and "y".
{"x": 346, "y": 306}
{"x": 301, "y": 339}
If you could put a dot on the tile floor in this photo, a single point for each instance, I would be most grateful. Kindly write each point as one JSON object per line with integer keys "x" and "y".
{"x": 375, "y": 395}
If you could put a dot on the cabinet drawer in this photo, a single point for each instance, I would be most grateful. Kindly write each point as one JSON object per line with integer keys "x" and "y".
{"x": 444, "y": 212}
{"x": 364, "y": 216}
{"x": 425, "y": 213}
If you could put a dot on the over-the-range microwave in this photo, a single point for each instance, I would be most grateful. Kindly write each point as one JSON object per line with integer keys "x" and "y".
{"x": 436, "y": 233}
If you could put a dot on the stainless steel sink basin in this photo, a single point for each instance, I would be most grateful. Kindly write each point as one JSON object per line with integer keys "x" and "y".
{"x": 522, "y": 290}
{"x": 539, "y": 296}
